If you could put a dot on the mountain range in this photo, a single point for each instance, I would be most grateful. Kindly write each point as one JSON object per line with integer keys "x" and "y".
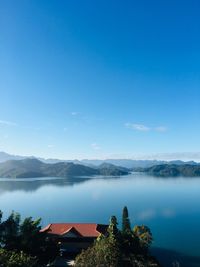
{"x": 126, "y": 163}
{"x": 14, "y": 166}
{"x": 31, "y": 168}
{"x": 173, "y": 170}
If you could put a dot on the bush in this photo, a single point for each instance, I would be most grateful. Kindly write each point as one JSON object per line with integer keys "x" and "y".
{"x": 16, "y": 259}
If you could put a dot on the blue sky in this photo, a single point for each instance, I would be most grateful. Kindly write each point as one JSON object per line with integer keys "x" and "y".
{"x": 100, "y": 79}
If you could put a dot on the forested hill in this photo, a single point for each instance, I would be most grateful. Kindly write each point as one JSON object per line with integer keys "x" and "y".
{"x": 173, "y": 170}
{"x": 30, "y": 168}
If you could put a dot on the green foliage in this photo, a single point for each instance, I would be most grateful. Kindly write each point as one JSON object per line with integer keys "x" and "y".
{"x": 26, "y": 236}
{"x": 144, "y": 235}
{"x": 173, "y": 170}
{"x": 126, "y": 226}
{"x": 112, "y": 229}
{"x": 14, "y": 259}
{"x": 10, "y": 231}
{"x": 127, "y": 248}
{"x": 103, "y": 253}
{"x": 1, "y": 215}
{"x": 30, "y": 237}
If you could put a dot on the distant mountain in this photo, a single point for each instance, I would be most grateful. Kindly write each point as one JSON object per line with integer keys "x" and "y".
{"x": 111, "y": 170}
{"x": 30, "y": 168}
{"x": 173, "y": 170}
{"x": 5, "y": 156}
{"x": 126, "y": 163}
{"x": 131, "y": 164}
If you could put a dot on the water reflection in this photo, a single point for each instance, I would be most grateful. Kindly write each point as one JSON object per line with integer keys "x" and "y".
{"x": 33, "y": 184}
{"x": 171, "y": 258}
{"x": 170, "y": 207}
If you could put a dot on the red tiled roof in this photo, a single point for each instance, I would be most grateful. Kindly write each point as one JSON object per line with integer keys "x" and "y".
{"x": 84, "y": 229}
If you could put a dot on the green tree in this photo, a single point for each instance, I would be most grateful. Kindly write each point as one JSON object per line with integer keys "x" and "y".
{"x": 26, "y": 237}
{"x": 144, "y": 235}
{"x": 102, "y": 253}
{"x": 34, "y": 242}
{"x": 130, "y": 242}
{"x": 126, "y": 225}
{"x": 30, "y": 235}
{"x": 1, "y": 215}
{"x": 105, "y": 251}
{"x": 10, "y": 231}
{"x": 16, "y": 259}
{"x": 113, "y": 231}
{"x": 110, "y": 251}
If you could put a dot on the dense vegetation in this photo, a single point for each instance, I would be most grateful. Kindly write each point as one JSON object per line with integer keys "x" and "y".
{"x": 29, "y": 168}
{"x": 120, "y": 248}
{"x": 22, "y": 244}
{"x": 16, "y": 259}
{"x": 172, "y": 170}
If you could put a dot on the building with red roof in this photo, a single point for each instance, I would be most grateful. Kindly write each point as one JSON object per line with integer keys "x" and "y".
{"x": 73, "y": 237}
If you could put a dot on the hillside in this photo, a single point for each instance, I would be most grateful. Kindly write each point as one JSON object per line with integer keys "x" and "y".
{"x": 126, "y": 163}
{"x": 173, "y": 170}
{"x": 30, "y": 168}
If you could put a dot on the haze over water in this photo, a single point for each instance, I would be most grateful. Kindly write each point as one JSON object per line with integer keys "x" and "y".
{"x": 169, "y": 206}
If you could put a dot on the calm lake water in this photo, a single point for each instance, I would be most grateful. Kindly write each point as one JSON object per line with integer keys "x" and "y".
{"x": 169, "y": 206}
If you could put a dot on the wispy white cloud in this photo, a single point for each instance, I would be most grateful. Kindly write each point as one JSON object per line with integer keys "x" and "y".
{"x": 185, "y": 156}
{"x": 145, "y": 128}
{"x": 7, "y": 123}
{"x": 138, "y": 127}
{"x": 95, "y": 146}
{"x": 50, "y": 146}
{"x": 74, "y": 113}
{"x": 160, "y": 129}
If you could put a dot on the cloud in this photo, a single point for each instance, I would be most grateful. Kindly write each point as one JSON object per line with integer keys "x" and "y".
{"x": 160, "y": 129}
{"x": 95, "y": 146}
{"x": 144, "y": 128}
{"x": 138, "y": 127}
{"x": 185, "y": 156}
{"x": 74, "y": 113}
{"x": 50, "y": 146}
{"x": 7, "y": 123}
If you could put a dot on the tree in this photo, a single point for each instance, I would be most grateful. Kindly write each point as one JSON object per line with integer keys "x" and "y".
{"x": 16, "y": 259}
{"x": 26, "y": 236}
{"x": 1, "y": 215}
{"x": 105, "y": 251}
{"x": 144, "y": 235}
{"x": 115, "y": 249}
{"x": 34, "y": 242}
{"x": 126, "y": 226}
{"x": 30, "y": 235}
{"x": 10, "y": 231}
{"x": 113, "y": 231}
{"x": 130, "y": 242}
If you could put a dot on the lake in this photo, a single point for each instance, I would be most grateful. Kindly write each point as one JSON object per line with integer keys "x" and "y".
{"x": 169, "y": 206}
